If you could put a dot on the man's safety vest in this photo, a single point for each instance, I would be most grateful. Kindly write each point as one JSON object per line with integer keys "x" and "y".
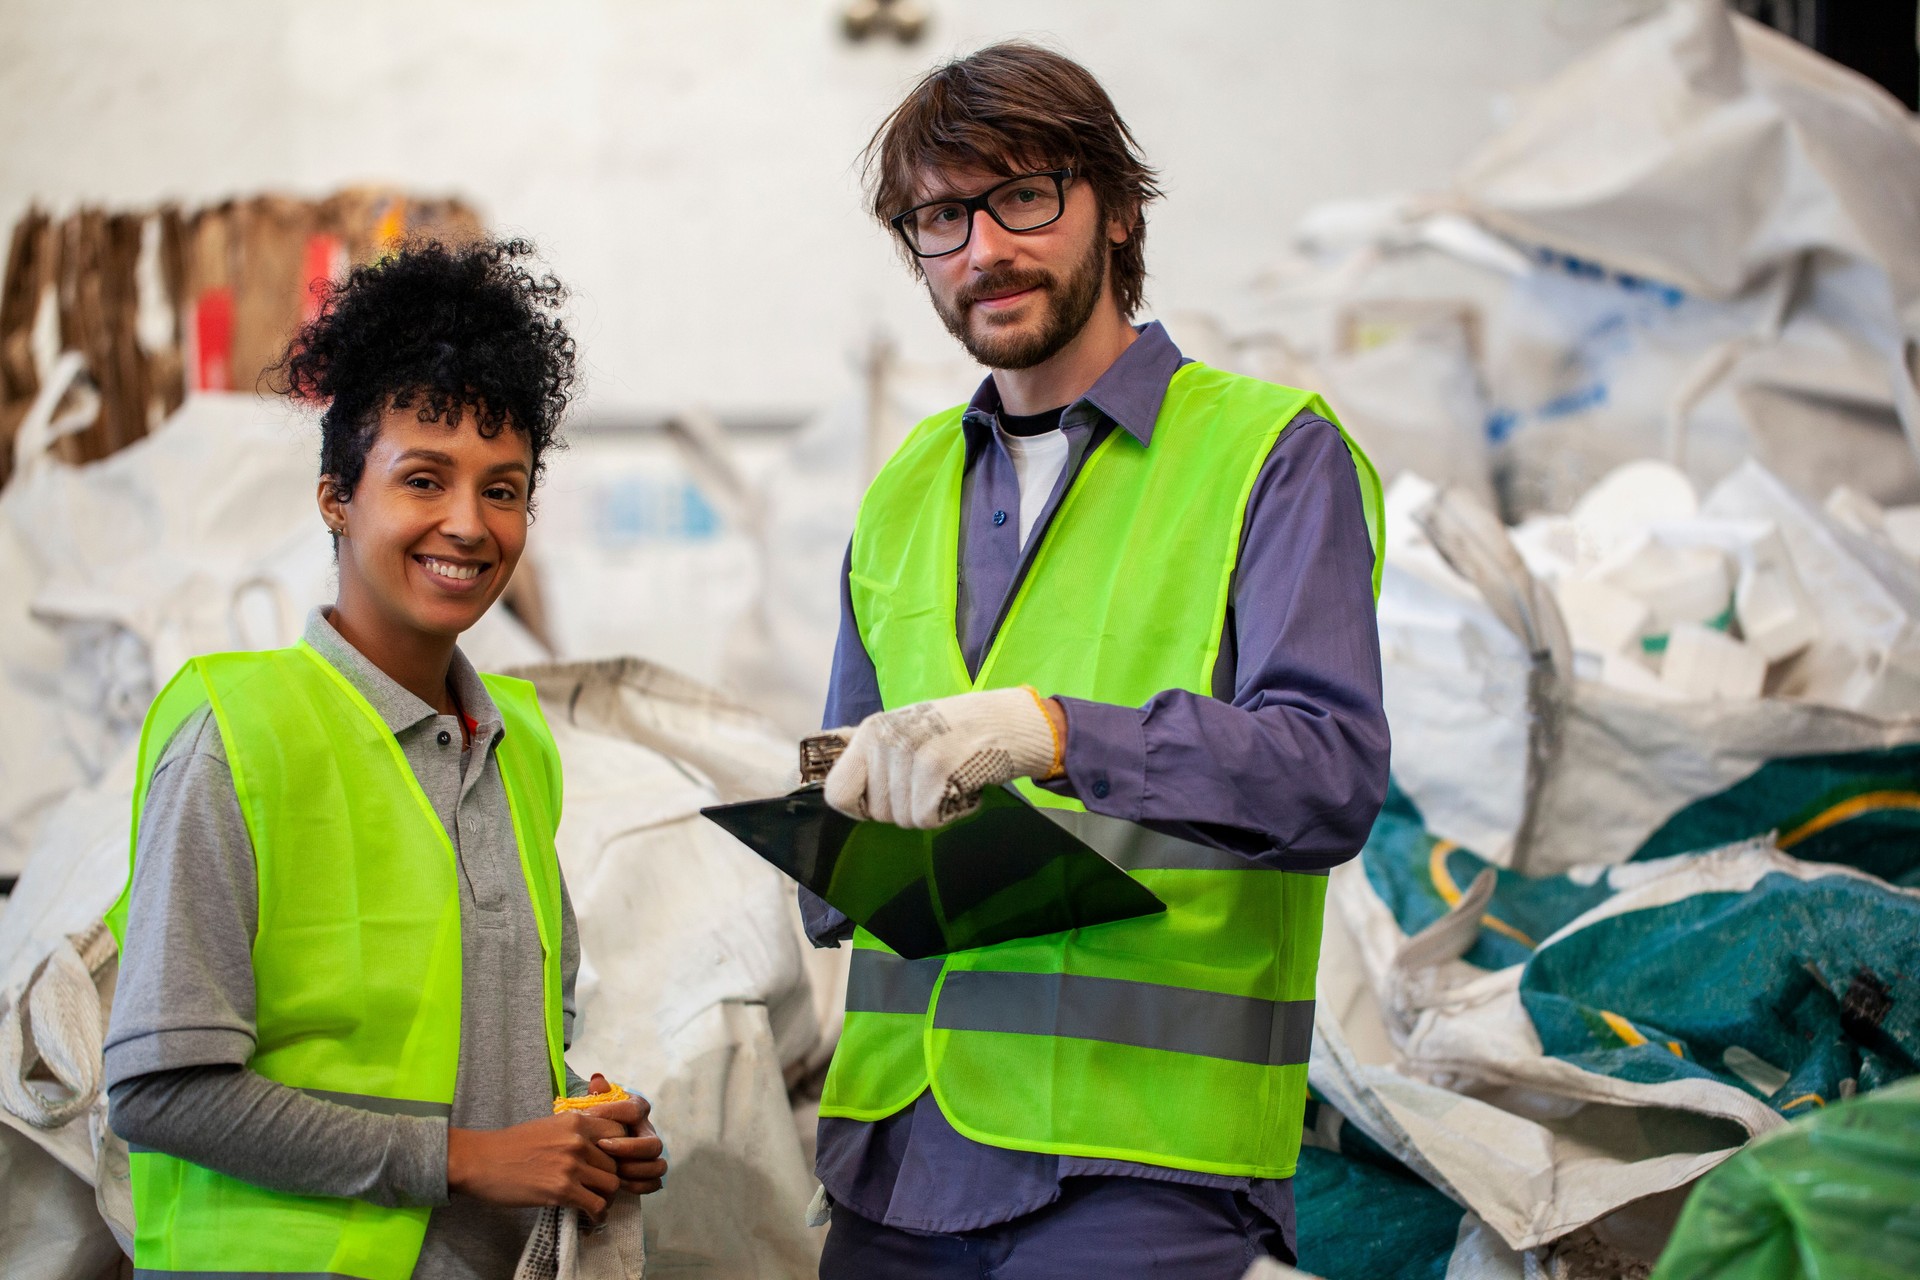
{"x": 1178, "y": 1039}
{"x": 356, "y": 959}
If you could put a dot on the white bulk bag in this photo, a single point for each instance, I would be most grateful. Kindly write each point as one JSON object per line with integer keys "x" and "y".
{"x": 1725, "y": 224}
{"x": 1507, "y": 752}
{"x": 1439, "y": 1062}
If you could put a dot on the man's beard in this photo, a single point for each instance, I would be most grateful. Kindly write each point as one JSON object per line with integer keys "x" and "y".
{"x": 1068, "y": 306}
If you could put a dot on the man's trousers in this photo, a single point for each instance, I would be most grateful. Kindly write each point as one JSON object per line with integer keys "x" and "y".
{"x": 1104, "y": 1228}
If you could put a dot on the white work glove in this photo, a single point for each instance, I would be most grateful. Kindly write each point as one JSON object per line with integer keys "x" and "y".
{"x": 925, "y": 765}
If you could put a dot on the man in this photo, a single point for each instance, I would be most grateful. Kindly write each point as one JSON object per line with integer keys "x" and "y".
{"x": 1132, "y": 583}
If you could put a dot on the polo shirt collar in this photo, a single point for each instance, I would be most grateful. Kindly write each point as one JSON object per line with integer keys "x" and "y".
{"x": 399, "y": 709}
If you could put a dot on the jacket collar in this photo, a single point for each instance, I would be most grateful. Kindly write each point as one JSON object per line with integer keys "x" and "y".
{"x": 1128, "y": 394}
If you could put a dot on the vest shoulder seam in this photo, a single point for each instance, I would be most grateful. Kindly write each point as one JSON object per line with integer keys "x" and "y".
{"x": 198, "y": 734}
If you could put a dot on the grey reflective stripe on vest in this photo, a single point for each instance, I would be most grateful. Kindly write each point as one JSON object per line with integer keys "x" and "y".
{"x": 1148, "y": 1015}
{"x": 148, "y": 1273}
{"x": 881, "y": 982}
{"x": 1130, "y": 846}
{"x": 385, "y": 1106}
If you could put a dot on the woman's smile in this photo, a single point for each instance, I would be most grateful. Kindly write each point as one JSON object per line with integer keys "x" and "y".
{"x": 454, "y": 574}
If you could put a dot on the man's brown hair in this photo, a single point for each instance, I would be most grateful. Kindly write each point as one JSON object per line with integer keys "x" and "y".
{"x": 1017, "y": 108}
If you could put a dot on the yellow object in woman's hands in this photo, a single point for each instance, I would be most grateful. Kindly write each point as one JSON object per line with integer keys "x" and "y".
{"x": 614, "y": 1093}
{"x": 640, "y": 1156}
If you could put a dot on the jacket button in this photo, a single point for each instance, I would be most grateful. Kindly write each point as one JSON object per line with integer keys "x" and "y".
{"x": 999, "y": 518}
{"x": 1100, "y": 789}
{"x": 445, "y": 737}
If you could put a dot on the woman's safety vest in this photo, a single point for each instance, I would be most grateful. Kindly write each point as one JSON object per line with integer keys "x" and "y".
{"x": 1178, "y": 1039}
{"x": 356, "y": 960}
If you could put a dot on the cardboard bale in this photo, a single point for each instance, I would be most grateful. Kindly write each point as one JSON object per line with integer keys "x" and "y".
{"x": 97, "y": 308}
{"x": 162, "y": 292}
{"x": 162, "y": 301}
{"x": 270, "y": 293}
{"x": 31, "y": 272}
{"x": 209, "y": 269}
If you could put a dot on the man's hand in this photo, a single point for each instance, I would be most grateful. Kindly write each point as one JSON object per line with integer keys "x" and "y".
{"x": 925, "y": 765}
{"x": 640, "y": 1157}
{"x": 552, "y": 1160}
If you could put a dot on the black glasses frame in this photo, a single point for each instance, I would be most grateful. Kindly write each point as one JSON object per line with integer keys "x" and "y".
{"x": 978, "y": 204}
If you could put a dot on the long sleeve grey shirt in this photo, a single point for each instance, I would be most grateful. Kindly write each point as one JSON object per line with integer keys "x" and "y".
{"x": 183, "y": 1025}
{"x": 1284, "y": 763}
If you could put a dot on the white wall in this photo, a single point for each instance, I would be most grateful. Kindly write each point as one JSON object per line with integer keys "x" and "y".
{"x": 687, "y": 165}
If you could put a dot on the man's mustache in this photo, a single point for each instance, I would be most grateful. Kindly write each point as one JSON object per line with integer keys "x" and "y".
{"x": 1003, "y": 282}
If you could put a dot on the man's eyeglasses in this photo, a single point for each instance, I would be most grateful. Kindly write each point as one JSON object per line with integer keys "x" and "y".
{"x": 1026, "y": 203}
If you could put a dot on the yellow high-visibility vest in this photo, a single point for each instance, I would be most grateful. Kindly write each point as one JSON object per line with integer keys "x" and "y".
{"x": 356, "y": 958}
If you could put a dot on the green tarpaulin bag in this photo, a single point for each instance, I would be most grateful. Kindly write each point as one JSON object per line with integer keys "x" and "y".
{"x": 1835, "y": 1196}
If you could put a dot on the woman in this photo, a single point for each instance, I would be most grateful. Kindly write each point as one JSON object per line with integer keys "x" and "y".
{"x": 347, "y": 952}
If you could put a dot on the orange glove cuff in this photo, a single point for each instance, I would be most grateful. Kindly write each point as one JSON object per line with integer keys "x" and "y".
{"x": 1059, "y": 747}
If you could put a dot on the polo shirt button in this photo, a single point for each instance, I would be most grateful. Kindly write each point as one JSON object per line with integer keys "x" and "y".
{"x": 999, "y": 518}
{"x": 445, "y": 737}
{"x": 1100, "y": 789}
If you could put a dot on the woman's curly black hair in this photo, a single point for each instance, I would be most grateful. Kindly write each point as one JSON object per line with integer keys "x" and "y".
{"x": 450, "y": 329}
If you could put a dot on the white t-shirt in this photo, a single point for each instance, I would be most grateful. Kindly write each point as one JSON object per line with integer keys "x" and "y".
{"x": 1037, "y": 461}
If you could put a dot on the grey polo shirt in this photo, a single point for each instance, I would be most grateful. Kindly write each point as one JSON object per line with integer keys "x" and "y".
{"x": 183, "y": 1013}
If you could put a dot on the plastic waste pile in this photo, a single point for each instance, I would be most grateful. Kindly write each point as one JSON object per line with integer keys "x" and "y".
{"x": 1616, "y": 664}
{"x": 1705, "y": 599}
{"x": 1644, "y": 379}
{"x": 1646, "y": 888}
{"x": 1694, "y": 244}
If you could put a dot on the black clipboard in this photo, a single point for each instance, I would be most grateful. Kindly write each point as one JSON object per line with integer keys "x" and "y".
{"x": 1004, "y": 871}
